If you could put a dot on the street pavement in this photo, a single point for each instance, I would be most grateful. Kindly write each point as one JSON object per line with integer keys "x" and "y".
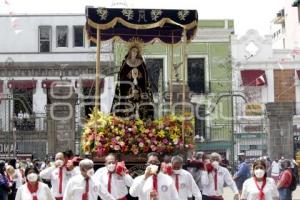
{"x": 228, "y": 194}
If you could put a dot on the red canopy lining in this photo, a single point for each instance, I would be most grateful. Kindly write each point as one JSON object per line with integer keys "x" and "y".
{"x": 253, "y": 77}
{"x": 21, "y": 84}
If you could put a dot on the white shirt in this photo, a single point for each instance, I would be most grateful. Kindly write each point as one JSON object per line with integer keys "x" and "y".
{"x": 207, "y": 180}
{"x": 43, "y": 193}
{"x": 119, "y": 183}
{"x": 275, "y": 169}
{"x": 196, "y": 173}
{"x": 77, "y": 185}
{"x": 18, "y": 178}
{"x": 52, "y": 173}
{"x": 187, "y": 186}
{"x": 141, "y": 188}
{"x": 250, "y": 191}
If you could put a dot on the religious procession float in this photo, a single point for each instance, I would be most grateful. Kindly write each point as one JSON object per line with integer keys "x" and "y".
{"x": 131, "y": 130}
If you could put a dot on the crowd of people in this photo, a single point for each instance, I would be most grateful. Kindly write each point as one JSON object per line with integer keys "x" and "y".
{"x": 171, "y": 178}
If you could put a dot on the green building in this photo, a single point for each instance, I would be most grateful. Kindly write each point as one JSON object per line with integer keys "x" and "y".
{"x": 208, "y": 81}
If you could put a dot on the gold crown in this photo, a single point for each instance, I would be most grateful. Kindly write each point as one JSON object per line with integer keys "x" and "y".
{"x": 136, "y": 42}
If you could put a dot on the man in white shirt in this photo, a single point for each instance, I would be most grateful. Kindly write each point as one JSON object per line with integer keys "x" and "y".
{"x": 83, "y": 186}
{"x": 59, "y": 175}
{"x": 112, "y": 182}
{"x": 275, "y": 170}
{"x": 153, "y": 185}
{"x": 184, "y": 182}
{"x": 213, "y": 182}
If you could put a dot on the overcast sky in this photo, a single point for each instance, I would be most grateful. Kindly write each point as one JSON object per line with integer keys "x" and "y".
{"x": 247, "y": 14}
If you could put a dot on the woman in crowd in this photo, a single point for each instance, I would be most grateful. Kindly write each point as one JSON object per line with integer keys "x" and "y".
{"x": 33, "y": 189}
{"x": 4, "y": 185}
{"x": 259, "y": 187}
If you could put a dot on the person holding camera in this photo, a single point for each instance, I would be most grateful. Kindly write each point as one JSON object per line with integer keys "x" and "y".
{"x": 59, "y": 175}
{"x": 113, "y": 178}
{"x": 153, "y": 184}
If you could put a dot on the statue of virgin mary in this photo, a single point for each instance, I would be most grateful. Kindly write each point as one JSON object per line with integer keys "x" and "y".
{"x": 133, "y": 96}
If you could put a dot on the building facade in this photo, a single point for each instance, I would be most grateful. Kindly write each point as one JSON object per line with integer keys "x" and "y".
{"x": 268, "y": 79}
{"x": 285, "y": 28}
{"x": 36, "y": 53}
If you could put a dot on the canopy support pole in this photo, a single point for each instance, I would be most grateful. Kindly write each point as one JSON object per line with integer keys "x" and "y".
{"x": 97, "y": 92}
{"x": 171, "y": 73}
{"x": 183, "y": 56}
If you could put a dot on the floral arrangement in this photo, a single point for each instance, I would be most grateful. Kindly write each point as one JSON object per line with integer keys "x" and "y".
{"x": 106, "y": 133}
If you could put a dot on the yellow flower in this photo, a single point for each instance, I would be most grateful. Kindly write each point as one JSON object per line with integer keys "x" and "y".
{"x": 161, "y": 133}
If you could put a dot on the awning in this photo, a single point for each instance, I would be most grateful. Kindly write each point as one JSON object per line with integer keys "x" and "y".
{"x": 254, "y": 77}
{"x": 296, "y": 3}
{"x": 145, "y": 24}
{"x": 88, "y": 83}
{"x": 46, "y": 84}
{"x": 21, "y": 84}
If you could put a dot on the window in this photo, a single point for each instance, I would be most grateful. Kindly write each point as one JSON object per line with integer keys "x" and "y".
{"x": 78, "y": 37}
{"x": 196, "y": 76}
{"x": 200, "y": 128}
{"x": 61, "y": 36}
{"x": 44, "y": 38}
{"x": 23, "y": 100}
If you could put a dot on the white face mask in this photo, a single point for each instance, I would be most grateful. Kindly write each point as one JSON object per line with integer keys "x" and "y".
{"x": 17, "y": 165}
{"x": 259, "y": 173}
{"x": 215, "y": 164}
{"x": 32, "y": 177}
{"x": 59, "y": 163}
{"x": 176, "y": 171}
{"x": 90, "y": 172}
{"x": 111, "y": 167}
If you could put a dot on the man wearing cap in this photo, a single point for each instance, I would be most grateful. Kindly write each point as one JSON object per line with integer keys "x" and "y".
{"x": 153, "y": 184}
{"x": 184, "y": 182}
{"x": 83, "y": 186}
{"x": 243, "y": 172}
{"x": 113, "y": 182}
{"x": 59, "y": 175}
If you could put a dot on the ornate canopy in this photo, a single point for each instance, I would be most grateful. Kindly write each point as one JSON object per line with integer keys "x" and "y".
{"x": 145, "y": 24}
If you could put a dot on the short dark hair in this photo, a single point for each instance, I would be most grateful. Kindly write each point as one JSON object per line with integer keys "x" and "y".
{"x": 153, "y": 154}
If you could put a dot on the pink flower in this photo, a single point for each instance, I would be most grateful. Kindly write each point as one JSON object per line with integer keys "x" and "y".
{"x": 153, "y": 147}
{"x": 165, "y": 141}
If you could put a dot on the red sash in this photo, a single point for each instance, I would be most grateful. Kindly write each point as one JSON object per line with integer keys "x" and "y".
{"x": 109, "y": 182}
{"x": 177, "y": 182}
{"x": 33, "y": 190}
{"x": 85, "y": 195}
{"x": 261, "y": 189}
{"x": 60, "y": 177}
{"x": 216, "y": 179}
